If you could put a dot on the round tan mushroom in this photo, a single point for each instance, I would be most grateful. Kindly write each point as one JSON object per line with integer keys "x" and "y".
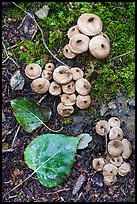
{"x": 54, "y": 88}
{"x": 62, "y": 75}
{"x": 67, "y": 52}
{"x": 102, "y": 126}
{"x": 47, "y": 74}
{"x": 98, "y": 163}
{"x": 73, "y": 31}
{"x": 89, "y": 24}
{"x": 110, "y": 170}
{"x": 49, "y": 66}
{"x": 83, "y": 102}
{"x": 110, "y": 180}
{"x": 99, "y": 47}
{"x": 116, "y": 133}
{"x": 115, "y": 147}
{"x": 104, "y": 35}
{"x": 127, "y": 149}
{"x": 124, "y": 169}
{"x": 114, "y": 122}
{"x": 65, "y": 111}
{"x": 69, "y": 88}
{"x": 83, "y": 86}
{"x": 79, "y": 43}
{"x": 117, "y": 161}
{"x": 33, "y": 70}
{"x": 68, "y": 99}
{"x": 77, "y": 73}
{"x": 40, "y": 85}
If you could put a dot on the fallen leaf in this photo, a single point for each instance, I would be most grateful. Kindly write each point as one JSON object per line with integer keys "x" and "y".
{"x": 17, "y": 81}
{"x": 84, "y": 141}
{"x": 43, "y": 12}
{"x": 81, "y": 179}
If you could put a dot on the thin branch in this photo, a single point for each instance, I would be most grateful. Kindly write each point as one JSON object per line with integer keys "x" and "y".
{"x": 65, "y": 189}
{"x": 12, "y": 144}
{"x": 123, "y": 54}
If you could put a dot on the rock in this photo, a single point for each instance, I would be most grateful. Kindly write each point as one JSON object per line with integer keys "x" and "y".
{"x": 129, "y": 123}
{"x": 131, "y": 102}
{"x": 42, "y": 13}
{"x": 17, "y": 81}
{"x": 112, "y": 105}
{"x": 103, "y": 109}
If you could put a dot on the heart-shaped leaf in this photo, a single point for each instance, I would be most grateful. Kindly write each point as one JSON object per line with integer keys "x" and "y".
{"x": 52, "y": 157}
{"x": 29, "y": 114}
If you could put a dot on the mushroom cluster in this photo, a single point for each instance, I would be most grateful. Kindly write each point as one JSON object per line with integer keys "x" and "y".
{"x": 87, "y": 35}
{"x": 118, "y": 150}
{"x": 67, "y": 83}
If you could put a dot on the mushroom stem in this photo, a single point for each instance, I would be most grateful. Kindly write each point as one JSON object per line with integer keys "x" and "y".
{"x": 106, "y": 141}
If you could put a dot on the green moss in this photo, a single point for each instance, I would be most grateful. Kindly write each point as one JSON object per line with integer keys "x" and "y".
{"x": 67, "y": 121}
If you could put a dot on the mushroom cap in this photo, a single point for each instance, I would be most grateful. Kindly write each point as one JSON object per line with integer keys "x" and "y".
{"x": 69, "y": 88}
{"x": 40, "y": 85}
{"x": 49, "y": 66}
{"x": 54, "y": 88}
{"x": 114, "y": 122}
{"x": 33, "y": 70}
{"x": 98, "y": 163}
{"x": 104, "y": 35}
{"x": 77, "y": 73}
{"x": 127, "y": 149}
{"x": 115, "y": 147}
{"x": 117, "y": 161}
{"x": 73, "y": 31}
{"x": 110, "y": 180}
{"x": 124, "y": 169}
{"x": 83, "y": 102}
{"x": 101, "y": 126}
{"x": 65, "y": 111}
{"x": 99, "y": 47}
{"x": 79, "y": 43}
{"x": 62, "y": 75}
{"x": 68, "y": 99}
{"x": 110, "y": 170}
{"x": 89, "y": 24}
{"x": 47, "y": 74}
{"x": 67, "y": 52}
{"x": 83, "y": 86}
{"x": 116, "y": 133}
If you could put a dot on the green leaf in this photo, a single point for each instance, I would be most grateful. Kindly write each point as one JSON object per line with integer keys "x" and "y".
{"x": 51, "y": 156}
{"x": 29, "y": 114}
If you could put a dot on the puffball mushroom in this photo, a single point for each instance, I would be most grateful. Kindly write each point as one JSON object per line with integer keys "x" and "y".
{"x": 65, "y": 111}
{"x": 54, "y": 88}
{"x": 110, "y": 180}
{"x": 47, "y": 74}
{"x": 117, "y": 161}
{"x": 83, "y": 86}
{"x": 114, "y": 122}
{"x": 40, "y": 85}
{"x": 69, "y": 88}
{"x": 124, "y": 169}
{"x": 89, "y": 24}
{"x": 115, "y": 147}
{"x": 33, "y": 70}
{"x": 68, "y": 99}
{"x": 110, "y": 170}
{"x": 73, "y": 31}
{"x": 127, "y": 149}
{"x": 67, "y": 52}
{"x": 116, "y": 133}
{"x": 79, "y": 43}
{"x": 83, "y": 102}
{"x": 77, "y": 73}
{"x": 62, "y": 75}
{"x": 98, "y": 163}
{"x": 101, "y": 126}
{"x": 49, "y": 66}
{"x": 99, "y": 47}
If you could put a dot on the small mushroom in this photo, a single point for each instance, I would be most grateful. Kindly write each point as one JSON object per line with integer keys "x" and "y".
{"x": 79, "y": 43}
{"x": 124, "y": 169}
{"x": 127, "y": 149}
{"x": 47, "y": 74}
{"x": 117, "y": 161}
{"x": 116, "y": 133}
{"x": 83, "y": 102}
{"x": 110, "y": 180}
{"x": 115, "y": 147}
{"x": 33, "y": 70}
{"x": 110, "y": 170}
{"x": 114, "y": 122}
{"x": 102, "y": 126}
{"x": 83, "y": 86}
{"x": 49, "y": 66}
{"x": 98, "y": 163}
{"x": 67, "y": 52}
{"x": 68, "y": 99}
{"x": 104, "y": 35}
{"x": 62, "y": 75}
{"x": 89, "y": 24}
{"x": 77, "y": 73}
{"x": 69, "y": 88}
{"x": 73, "y": 31}
{"x": 40, "y": 85}
{"x": 65, "y": 111}
{"x": 99, "y": 47}
{"x": 54, "y": 88}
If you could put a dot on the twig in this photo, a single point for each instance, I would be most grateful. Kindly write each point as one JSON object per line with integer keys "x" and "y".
{"x": 42, "y": 98}
{"x": 123, "y": 54}
{"x": 12, "y": 144}
{"x": 13, "y": 46}
{"x": 8, "y": 150}
{"x": 65, "y": 189}
{"x": 29, "y": 14}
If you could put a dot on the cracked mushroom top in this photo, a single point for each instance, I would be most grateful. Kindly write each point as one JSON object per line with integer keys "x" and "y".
{"x": 73, "y": 31}
{"x": 77, "y": 73}
{"x": 102, "y": 126}
{"x": 62, "y": 75}
{"x": 67, "y": 52}
{"x": 40, "y": 85}
{"x": 49, "y": 66}
{"x": 33, "y": 70}
{"x": 83, "y": 86}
